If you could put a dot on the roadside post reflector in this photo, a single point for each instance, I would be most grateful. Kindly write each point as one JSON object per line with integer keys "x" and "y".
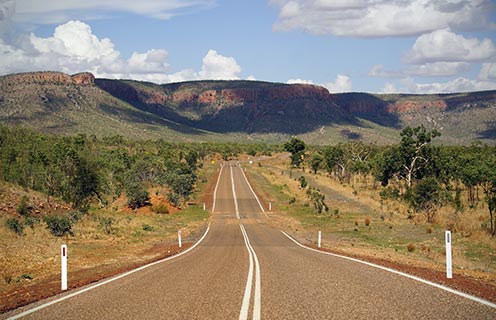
{"x": 179, "y": 238}
{"x": 449, "y": 267}
{"x": 270, "y": 206}
{"x": 204, "y": 206}
{"x": 320, "y": 239}
{"x": 63, "y": 255}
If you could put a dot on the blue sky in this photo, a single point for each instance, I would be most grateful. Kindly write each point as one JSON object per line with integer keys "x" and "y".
{"x": 413, "y": 46}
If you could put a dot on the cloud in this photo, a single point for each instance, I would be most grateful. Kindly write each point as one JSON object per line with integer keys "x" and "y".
{"x": 216, "y": 66}
{"x": 74, "y": 48}
{"x": 294, "y": 81}
{"x": 444, "y": 45}
{"x": 457, "y": 85}
{"x": 58, "y": 11}
{"x": 488, "y": 71}
{"x": 371, "y": 18}
{"x": 435, "y": 69}
{"x": 389, "y": 88}
{"x": 341, "y": 84}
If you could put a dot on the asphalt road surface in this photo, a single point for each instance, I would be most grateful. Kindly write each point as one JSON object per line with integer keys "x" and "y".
{"x": 245, "y": 269}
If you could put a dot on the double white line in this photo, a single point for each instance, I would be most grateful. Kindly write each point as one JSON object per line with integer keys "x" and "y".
{"x": 258, "y": 293}
{"x": 245, "y": 306}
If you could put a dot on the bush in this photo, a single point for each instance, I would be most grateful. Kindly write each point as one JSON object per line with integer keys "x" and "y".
{"x": 292, "y": 200}
{"x": 160, "y": 209}
{"x": 303, "y": 182}
{"x": 105, "y": 223}
{"x": 76, "y": 215}
{"x": 31, "y": 221}
{"x": 174, "y": 198}
{"x": 59, "y": 225}
{"x": 367, "y": 221}
{"x": 411, "y": 247}
{"x": 15, "y": 225}
{"x": 147, "y": 227}
{"x": 137, "y": 196}
{"x": 390, "y": 193}
{"x": 24, "y": 207}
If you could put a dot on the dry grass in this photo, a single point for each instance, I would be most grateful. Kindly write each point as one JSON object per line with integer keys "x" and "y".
{"x": 119, "y": 242}
{"x": 373, "y": 227}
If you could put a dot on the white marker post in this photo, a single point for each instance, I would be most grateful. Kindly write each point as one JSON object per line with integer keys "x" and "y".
{"x": 270, "y": 206}
{"x": 449, "y": 267}
{"x": 320, "y": 239}
{"x": 63, "y": 259}
{"x": 204, "y": 206}
{"x": 179, "y": 238}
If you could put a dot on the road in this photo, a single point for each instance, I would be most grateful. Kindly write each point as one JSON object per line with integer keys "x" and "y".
{"x": 245, "y": 269}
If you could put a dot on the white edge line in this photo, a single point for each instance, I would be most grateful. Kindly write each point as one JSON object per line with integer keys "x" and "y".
{"x": 216, "y": 186}
{"x": 459, "y": 293}
{"x": 245, "y": 306}
{"x": 27, "y": 312}
{"x": 249, "y": 185}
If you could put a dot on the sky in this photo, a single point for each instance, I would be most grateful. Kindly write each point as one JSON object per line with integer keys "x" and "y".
{"x": 377, "y": 46}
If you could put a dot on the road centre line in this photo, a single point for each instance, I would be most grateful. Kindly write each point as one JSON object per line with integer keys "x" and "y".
{"x": 216, "y": 186}
{"x": 249, "y": 185}
{"x": 243, "y": 315}
{"x": 450, "y": 290}
{"x": 43, "y": 306}
{"x": 234, "y": 194}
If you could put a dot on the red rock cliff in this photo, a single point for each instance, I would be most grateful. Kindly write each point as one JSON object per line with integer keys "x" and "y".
{"x": 50, "y": 77}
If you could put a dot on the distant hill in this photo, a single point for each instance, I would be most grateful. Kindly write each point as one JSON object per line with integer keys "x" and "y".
{"x": 240, "y": 111}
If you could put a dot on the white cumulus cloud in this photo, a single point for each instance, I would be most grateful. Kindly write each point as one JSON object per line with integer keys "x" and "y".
{"x": 373, "y": 18}
{"x": 216, "y": 66}
{"x": 74, "y": 48}
{"x": 444, "y": 45}
{"x": 341, "y": 84}
{"x": 460, "y": 84}
{"x": 301, "y": 81}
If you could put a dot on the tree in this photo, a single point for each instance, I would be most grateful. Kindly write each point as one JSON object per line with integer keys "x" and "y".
{"x": 318, "y": 200}
{"x": 335, "y": 161}
{"x": 137, "y": 195}
{"x": 425, "y": 197}
{"x": 316, "y": 161}
{"x": 296, "y": 147}
{"x": 411, "y": 158}
{"x": 488, "y": 173}
{"x": 303, "y": 182}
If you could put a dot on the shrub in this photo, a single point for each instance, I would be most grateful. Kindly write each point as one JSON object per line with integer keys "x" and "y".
{"x": 411, "y": 247}
{"x": 106, "y": 224}
{"x": 15, "y": 225}
{"x": 390, "y": 193}
{"x": 147, "y": 227}
{"x": 75, "y": 215}
{"x": 367, "y": 221}
{"x": 174, "y": 198}
{"x": 24, "y": 207}
{"x": 31, "y": 221}
{"x": 59, "y": 225}
{"x": 303, "y": 182}
{"x": 160, "y": 209}
{"x": 27, "y": 276}
{"x": 137, "y": 196}
{"x": 292, "y": 200}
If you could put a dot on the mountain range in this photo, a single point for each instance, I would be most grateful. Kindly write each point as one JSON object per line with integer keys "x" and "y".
{"x": 236, "y": 110}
